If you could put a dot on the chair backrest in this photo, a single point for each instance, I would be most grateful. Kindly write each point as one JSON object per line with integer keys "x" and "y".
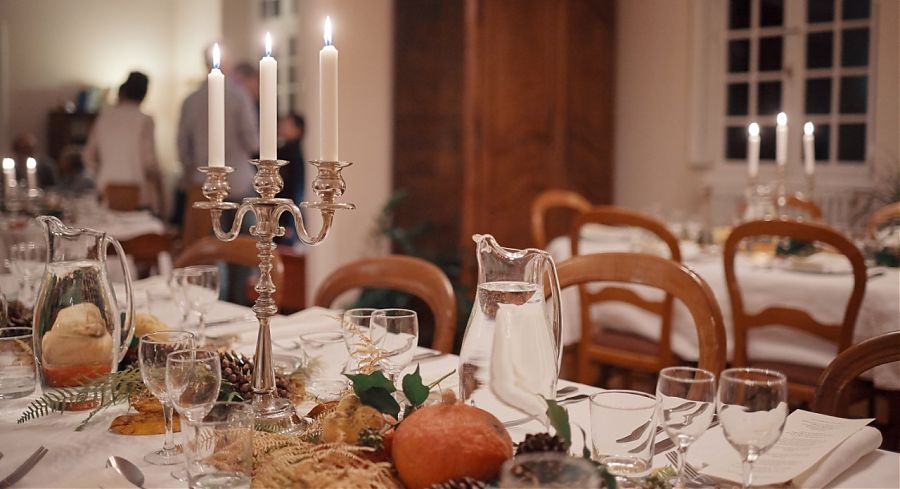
{"x": 122, "y": 197}
{"x": 610, "y": 215}
{"x": 841, "y": 333}
{"x": 404, "y": 273}
{"x": 848, "y": 365}
{"x": 145, "y": 250}
{"x": 240, "y": 251}
{"x": 197, "y": 222}
{"x": 552, "y": 199}
{"x": 673, "y": 278}
{"x": 804, "y": 205}
{"x": 882, "y": 216}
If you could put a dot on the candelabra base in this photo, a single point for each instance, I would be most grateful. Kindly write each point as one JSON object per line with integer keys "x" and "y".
{"x": 277, "y": 415}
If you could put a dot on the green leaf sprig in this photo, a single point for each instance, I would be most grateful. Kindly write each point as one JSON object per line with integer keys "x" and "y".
{"x": 376, "y": 390}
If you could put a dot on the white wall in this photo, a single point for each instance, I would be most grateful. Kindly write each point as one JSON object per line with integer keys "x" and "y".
{"x": 57, "y": 47}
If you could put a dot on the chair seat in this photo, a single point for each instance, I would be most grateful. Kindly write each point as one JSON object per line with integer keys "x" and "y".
{"x": 623, "y": 340}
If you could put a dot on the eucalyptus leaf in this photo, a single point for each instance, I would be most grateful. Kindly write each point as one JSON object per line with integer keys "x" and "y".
{"x": 559, "y": 419}
{"x": 416, "y": 392}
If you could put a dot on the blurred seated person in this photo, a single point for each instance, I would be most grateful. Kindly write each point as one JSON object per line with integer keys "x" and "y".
{"x": 121, "y": 148}
{"x": 72, "y": 177}
{"x": 24, "y": 146}
{"x": 290, "y": 133}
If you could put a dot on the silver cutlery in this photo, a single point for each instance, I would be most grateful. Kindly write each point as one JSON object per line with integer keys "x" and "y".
{"x": 428, "y": 355}
{"x": 694, "y": 475}
{"x": 561, "y": 402}
{"x": 640, "y": 448}
{"x": 127, "y": 469}
{"x": 565, "y": 391}
{"x": 634, "y": 435}
{"x": 23, "y": 469}
{"x": 668, "y": 444}
{"x": 690, "y": 417}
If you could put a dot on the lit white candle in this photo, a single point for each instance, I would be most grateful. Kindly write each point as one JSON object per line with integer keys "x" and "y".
{"x": 268, "y": 108}
{"x": 31, "y": 172}
{"x": 9, "y": 172}
{"x": 753, "y": 150}
{"x": 216, "y": 99}
{"x": 781, "y": 139}
{"x": 809, "y": 149}
{"x": 328, "y": 97}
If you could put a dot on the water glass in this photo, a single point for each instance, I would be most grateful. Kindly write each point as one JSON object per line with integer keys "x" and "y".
{"x": 400, "y": 328}
{"x": 550, "y": 470}
{"x": 17, "y": 370}
{"x": 326, "y": 354}
{"x": 686, "y": 399}
{"x": 623, "y": 425}
{"x": 153, "y": 352}
{"x": 220, "y": 454}
{"x": 28, "y": 260}
{"x": 752, "y": 405}
{"x": 361, "y": 343}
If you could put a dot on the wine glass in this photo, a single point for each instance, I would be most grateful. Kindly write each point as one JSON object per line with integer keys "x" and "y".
{"x": 201, "y": 289}
{"x": 153, "y": 351}
{"x": 686, "y": 399}
{"x": 193, "y": 378}
{"x": 361, "y": 343}
{"x": 28, "y": 260}
{"x": 176, "y": 289}
{"x": 400, "y": 329}
{"x": 752, "y": 405}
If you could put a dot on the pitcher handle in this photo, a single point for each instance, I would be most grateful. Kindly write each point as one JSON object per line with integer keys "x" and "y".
{"x": 127, "y": 329}
{"x": 557, "y": 310}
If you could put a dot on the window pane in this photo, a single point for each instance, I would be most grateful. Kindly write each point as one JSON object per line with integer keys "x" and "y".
{"x": 856, "y": 9}
{"x": 820, "y": 11}
{"x": 767, "y": 143}
{"x": 823, "y": 136}
{"x": 818, "y": 96}
{"x": 853, "y": 94}
{"x": 771, "y": 12}
{"x": 819, "y": 49}
{"x": 736, "y": 143}
{"x": 768, "y": 98}
{"x": 855, "y": 47}
{"x": 739, "y": 56}
{"x": 738, "y": 14}
{"x": 852, "y": 142}
{"x": 770, "y": 53}
{"x": 738, "y": 98}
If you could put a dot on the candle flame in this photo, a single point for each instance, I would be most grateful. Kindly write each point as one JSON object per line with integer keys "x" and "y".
{"x": 327, "y": 31}
{"x": 268, "y": 44}
{"x": 753, "y": 129}
{"x": 809, "y": 128}
{"x": 8, "y": 164}
{"x": 781, "y": 119}
{"x": 216, "y": 56}
{"x": 31, "y": 163}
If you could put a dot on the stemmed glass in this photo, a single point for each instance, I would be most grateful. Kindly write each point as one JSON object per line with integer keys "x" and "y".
{"x": 153, "y": 351}
{"x": 176, "y": 289}
{"x": 193, "y": 378}
{"x": 400, "y": 329}
{"x": 201, "y": 289}
{"x": 752, "y": 405}
{"x": 686, "y": 399}
{"x": 361, "y": 343}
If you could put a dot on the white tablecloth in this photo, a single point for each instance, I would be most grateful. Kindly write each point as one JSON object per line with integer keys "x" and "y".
{"x": 823, "y": 295}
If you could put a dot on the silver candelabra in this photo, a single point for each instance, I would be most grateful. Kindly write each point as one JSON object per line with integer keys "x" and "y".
{"x": 328, "y": 186}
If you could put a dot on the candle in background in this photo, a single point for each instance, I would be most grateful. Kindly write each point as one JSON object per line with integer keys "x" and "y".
{"x": 268, "y": 108}
{"x": 31, "y": 172}
{"x": 753, "y": 150}
{"x": 9, "y": 172}
{"x": 809, "y": 149}
{"x": 781, "y": 139}
{"x": 328, "y": 97}
{"x": 216, "y": 100}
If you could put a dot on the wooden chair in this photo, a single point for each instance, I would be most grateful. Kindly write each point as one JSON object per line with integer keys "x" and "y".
{"x": 881, "y": 217}
{"x": 653, "y": 356}
{"x": 801, "y": 378}
{"x": 404, "y": 273}
{"x": 145, "y": 250}
{"x": 552, "y": 199}
{"x": 804, "y": 205}
{"x": 122, "y": 197}
{"x": 642, "y": 269}
{"x": 197, "y": 222}
{"x": 241, "y": 251}
{"x": 850, "y": 364}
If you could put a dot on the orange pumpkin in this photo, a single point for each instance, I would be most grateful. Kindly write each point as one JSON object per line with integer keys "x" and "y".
{"x": 449, "y": 440}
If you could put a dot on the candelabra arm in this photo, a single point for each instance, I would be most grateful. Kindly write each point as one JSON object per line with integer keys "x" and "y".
{"x": 302, "y": 233}
{"x": 230, "y": 234}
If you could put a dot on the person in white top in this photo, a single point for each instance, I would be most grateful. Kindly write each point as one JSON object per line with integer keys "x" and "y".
{"x": 121, "y": 148}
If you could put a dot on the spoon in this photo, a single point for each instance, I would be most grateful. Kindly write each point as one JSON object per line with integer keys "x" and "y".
{"x": 565, "y": 391}
{"x": 128, "y": 470}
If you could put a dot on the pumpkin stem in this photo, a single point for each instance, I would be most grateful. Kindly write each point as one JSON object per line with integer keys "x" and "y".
{"x": 448, "y": 396}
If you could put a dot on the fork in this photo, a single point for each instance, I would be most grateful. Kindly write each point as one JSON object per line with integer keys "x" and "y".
{"x": 693, "y": 475}
{"x": 24, "y": 468}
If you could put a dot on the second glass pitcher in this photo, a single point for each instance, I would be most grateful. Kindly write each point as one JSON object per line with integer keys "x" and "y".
{"x": 511, "y": 350}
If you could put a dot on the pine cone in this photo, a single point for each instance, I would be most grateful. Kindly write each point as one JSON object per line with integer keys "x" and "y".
{"x": 542, "y": 442}
{"x": 237, "y": 370}
{"x": 463, "y": 483}
{"x": 371, "y": 437}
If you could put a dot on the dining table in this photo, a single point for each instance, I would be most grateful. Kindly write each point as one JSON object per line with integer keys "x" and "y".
{"x": 821, "y": 286}
{"x": 77, "y": 458}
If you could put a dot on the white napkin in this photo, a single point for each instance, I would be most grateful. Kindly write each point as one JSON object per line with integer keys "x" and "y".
{"x": 846, "y": 454}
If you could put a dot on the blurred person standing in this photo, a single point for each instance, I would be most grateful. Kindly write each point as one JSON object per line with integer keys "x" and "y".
{"x": 291, "y": 128}
{"x": 247, "y": 76}
{"x": 241, "y": 140}
{"x": 121, "y": 148}
{"x": 72, "y": 179}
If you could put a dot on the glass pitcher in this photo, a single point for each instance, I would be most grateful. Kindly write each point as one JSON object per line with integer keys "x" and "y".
{"x": 78, "y": 331}
{"x": 511, "y": 350}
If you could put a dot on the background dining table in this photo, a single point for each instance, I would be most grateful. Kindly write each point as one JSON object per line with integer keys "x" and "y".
{"x": 77, "y": 458}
